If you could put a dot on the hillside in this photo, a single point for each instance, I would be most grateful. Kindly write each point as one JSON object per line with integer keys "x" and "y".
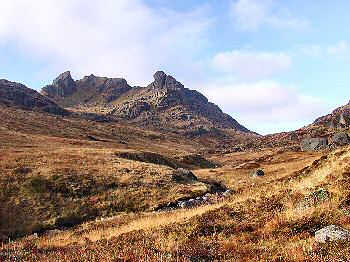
{"x": 75, "y": 186}
{"x": 20, "y": 96}
{"x": 163, "y": 104}
{"x": 339, "y": 118}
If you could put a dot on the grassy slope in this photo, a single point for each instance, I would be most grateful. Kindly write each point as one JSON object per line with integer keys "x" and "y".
{"x": 272, "y": 218}
{"x": 258, "y": 223}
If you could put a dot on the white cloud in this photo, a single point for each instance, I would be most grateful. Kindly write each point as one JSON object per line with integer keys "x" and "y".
{"x": 309, "y": 50}
{"x": 340, "y": 48}
{"x": 265, "y": 104}
{"x": 252, "y": 65}
{"x": 250, "y": 15}
{"x": 124, "y": 38}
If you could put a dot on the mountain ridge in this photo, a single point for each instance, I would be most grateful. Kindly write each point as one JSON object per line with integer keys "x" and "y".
{"x": 164, "y": 103}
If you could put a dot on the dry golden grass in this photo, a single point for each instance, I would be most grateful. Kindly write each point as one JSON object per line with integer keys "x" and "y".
{"x": 266, "y": 219}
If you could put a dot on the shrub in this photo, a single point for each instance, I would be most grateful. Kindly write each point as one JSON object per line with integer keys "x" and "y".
{"x": 38, "y": 185}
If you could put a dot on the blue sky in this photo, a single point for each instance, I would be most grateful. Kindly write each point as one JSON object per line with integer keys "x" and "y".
{"x": 273, "y": 65}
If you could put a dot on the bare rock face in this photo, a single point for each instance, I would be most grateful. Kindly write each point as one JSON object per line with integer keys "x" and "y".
{"x": 314, "y": 144}
{"x": 63, "y": 86}
{"x": 18, "y": 95}
{"x": 331, "y": 233}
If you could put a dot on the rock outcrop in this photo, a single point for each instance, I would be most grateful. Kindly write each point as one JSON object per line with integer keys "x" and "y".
{"x": 62, "y": 86}
{"x": 20, "y": 96}
{"x": 314, "y": 144}
{"x": 164, "y": 104}
{"x": 340, "y": 139}
{"x": 89, "y": 91}
{"x": 331, "y": 233}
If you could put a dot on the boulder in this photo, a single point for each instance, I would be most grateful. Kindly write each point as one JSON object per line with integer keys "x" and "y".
{"x": 331, "y": 233}
{"x": 258, "y": 173}
{"x": 183, "y": 175}
{"x": 314, "y": 144}
{"x": 340, "y": 139}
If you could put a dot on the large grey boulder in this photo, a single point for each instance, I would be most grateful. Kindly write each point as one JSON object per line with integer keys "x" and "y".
{"x": 314, "y": 144}
{"x": 331, "y": 233}
{"x": 340, "y": 139}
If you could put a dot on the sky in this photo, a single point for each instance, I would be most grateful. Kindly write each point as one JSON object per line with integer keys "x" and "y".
{"x": 272, "y": 65}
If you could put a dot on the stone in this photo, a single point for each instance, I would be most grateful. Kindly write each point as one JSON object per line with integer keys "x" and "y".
{"x": 314, "y": 144}
{"x": 183, "y": 175}
{"x": 258, "y": 173}
{"x": 340, "y": 139}
{"x": 331, "y": 233}
{"x": 227, "y": 193}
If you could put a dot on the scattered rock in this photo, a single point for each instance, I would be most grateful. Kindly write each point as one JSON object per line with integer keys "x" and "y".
{"x": 314, "y": 144}
{"x": 207, "y": 199}
{"x": 183, "y": 175}
{"x": 258, "y": 173}
{"x": 331, "y": 233}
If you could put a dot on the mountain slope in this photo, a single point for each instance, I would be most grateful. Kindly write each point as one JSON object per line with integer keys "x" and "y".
{"x": 165, "y": 103}
{"x": 20, "y": 96}
{"x": 339, "y": 118}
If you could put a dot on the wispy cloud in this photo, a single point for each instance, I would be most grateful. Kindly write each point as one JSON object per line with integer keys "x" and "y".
{"x": 265, "y": 104}
{"x": 251, "y": 15}
{"x": 252, "y": 65}
{"x": 125, "y": 38}
{"x": 340, "y": 48}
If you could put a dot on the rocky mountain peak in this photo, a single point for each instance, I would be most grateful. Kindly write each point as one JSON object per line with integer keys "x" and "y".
{"x": 62, "y": 86}
{"x": 162, "y": 80}
{"x": 64, "y": 79}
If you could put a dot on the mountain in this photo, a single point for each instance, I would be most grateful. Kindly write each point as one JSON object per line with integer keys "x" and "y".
{"x": 339, "y": 118}
{"x": 20, "y": 96}
{"x": 91, "y": 90}
{"x": 165, "y": 103}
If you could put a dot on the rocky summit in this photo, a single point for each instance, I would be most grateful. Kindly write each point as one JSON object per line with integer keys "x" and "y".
{"x": 165, "y": 103}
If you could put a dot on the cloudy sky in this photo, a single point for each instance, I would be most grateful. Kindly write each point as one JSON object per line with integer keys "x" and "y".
{"x": 273, "y": 65}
